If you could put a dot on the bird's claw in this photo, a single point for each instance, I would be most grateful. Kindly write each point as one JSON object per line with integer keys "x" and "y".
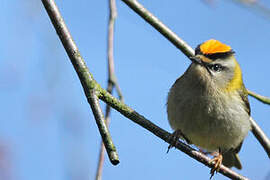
{"x": 174, "y": 138}
{"x": 217, "y": 160}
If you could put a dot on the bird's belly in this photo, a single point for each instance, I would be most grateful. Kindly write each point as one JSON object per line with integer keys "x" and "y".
{"x": 211, "y": 125}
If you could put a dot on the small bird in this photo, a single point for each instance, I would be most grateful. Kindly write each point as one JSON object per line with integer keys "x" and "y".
{"x": 208, "y": 105}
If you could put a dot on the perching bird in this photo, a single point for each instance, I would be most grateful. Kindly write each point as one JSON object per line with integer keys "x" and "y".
{"x": 208, "y": 105}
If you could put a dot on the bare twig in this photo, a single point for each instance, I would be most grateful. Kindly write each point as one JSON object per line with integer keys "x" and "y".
{"x": 261, "y": 136}
{"x": 254, "y": 5}
{"x": 107, "y": 141}
{"x": 102, "y": 148}
{"x": 263, "y": 99}
{"x": 162, "y": 28}
{"x": 185, "y": 48}
{"x": 112, "y": 81}
{"x": 85, "y": 76}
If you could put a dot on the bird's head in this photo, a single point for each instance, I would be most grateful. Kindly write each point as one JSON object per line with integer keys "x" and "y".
{"x": 216, "y": 62}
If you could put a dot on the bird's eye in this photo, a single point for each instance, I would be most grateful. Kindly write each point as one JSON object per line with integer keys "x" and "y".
{"x": 216, "y": 67}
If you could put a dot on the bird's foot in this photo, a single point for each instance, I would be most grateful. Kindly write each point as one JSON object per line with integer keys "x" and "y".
{"x": 174, "y": 138}
{"x": 217, "y": 161}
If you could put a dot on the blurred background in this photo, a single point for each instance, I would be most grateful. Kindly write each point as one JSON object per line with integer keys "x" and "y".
{"x": 47, "y": 128}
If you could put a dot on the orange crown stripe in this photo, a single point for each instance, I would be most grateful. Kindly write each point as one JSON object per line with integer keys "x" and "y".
{"x": 213, "y": 46}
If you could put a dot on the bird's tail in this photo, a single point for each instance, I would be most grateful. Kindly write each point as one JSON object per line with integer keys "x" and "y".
{"x": 231, "y": 159}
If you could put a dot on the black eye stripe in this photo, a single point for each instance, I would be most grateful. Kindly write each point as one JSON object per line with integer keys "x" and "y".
{"x": 219, "y": 55}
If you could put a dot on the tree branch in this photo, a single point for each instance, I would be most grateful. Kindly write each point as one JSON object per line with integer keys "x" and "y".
{"x": 112, "y": 81}
{"x": 188, "y": 51}
{"x": 263, "y": 99}
{"x": 255, "y": 5}
{"x": 86, "y": 78}
{"x": 93, "y": 89}
{"x": 160, "y": 27}
{"x": 103, "y": 130}
{"x": 102, "y": 148}
{"x": 261, "y": 136}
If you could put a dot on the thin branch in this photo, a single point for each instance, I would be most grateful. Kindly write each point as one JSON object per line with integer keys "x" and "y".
{"x": 85, "y": 76}
{"x": 263, "y": 99}
{"x": 254, "y": 5}
{"x": 112, "y": 81}
{"x": 103, "y": 130}
{"x": 102, "y": 148}
{"x": 159, "y": 26}
{"x": 185, "y": 48}
{"x": 261, "y": 136}
{"x": 113, "y": 15}
{"x": 112, "y": 77}
{"x": 100, "y": 162}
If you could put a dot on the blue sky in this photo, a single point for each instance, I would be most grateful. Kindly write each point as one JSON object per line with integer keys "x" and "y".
{"x": 47, "y": 128}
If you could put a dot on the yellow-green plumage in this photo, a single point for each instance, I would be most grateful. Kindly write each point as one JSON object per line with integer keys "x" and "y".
{"x": 209, "y": 103}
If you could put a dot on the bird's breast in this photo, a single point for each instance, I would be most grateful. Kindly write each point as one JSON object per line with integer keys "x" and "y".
{"x": 209, "y": 118}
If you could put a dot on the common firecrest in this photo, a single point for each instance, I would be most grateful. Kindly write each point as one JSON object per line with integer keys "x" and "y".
{"x": 208, "y": 105}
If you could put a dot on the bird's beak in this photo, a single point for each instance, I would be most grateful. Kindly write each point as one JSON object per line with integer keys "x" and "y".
{"x": 197, "y": 60}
